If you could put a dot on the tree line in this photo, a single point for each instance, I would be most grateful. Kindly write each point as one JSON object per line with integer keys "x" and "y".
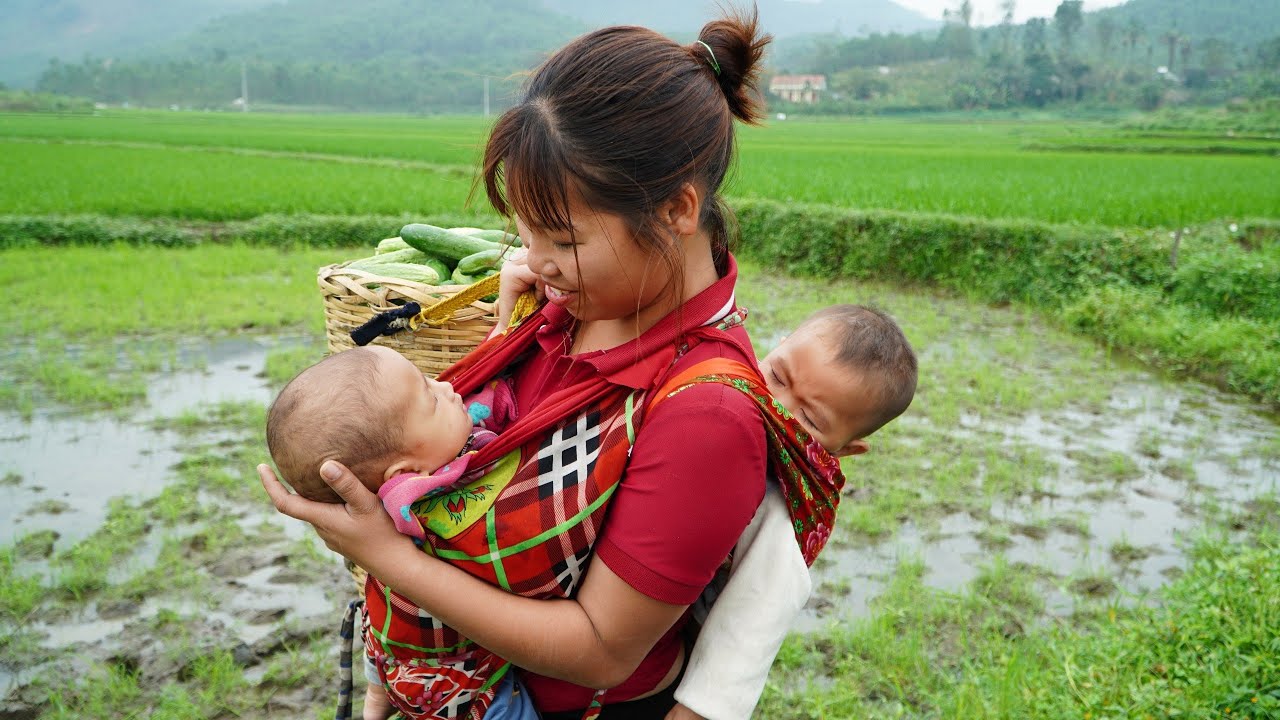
{"x": 1073, "y": 58}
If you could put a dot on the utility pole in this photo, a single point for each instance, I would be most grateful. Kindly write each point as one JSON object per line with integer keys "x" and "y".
{"x": 486, "y": 97}
{"x": 244, "y": 87}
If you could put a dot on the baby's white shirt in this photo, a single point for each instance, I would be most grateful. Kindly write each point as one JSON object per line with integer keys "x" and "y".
{"x": 768, "y": 586}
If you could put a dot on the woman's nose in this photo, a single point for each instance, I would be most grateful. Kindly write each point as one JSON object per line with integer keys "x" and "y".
{"x": 537, "y": 258}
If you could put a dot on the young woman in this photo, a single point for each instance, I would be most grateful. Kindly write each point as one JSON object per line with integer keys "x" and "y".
{"x": 578, "y": 565}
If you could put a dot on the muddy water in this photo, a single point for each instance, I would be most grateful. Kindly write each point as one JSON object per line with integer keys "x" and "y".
{"x": 69, "y": 465}
{"x": 1192, "y": 450}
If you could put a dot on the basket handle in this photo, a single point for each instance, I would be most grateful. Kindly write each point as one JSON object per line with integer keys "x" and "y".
{"x": 440, "y": 313}
{"x": 412, "y": 316}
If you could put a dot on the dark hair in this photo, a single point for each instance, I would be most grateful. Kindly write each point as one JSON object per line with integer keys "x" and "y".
{"x": 625, "y": 117}
{"x": 869, "y": 341}
{"x": 331, "y": 411}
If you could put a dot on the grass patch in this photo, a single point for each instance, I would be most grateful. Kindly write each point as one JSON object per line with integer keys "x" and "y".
{"x": 20, "y": 593}
{"x": 225, "y": 415}
{"x": 83, "y": 568}
{"x": 1206, "y": 651}
{"x": 283, "y": 363}
{"x": 132, "y": 290}
{"x": 137, "y": 292}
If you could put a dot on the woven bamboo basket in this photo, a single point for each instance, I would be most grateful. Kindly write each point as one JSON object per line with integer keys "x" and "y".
{"x": 353, "y": 297}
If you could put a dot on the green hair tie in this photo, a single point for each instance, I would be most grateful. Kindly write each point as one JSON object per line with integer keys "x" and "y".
{"x": 714, "y": 65}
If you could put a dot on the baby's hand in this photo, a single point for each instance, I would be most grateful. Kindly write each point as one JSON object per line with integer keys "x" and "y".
{"x": 680, "y": 712}
{"x": 517, "y": 279}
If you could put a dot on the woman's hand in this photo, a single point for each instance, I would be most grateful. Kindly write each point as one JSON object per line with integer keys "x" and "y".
{"x": 360, "y": 530}
{"x": 517, "y": 279}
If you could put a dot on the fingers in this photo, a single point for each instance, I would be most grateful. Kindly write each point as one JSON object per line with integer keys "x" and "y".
{"x": 353, "y": 492}
{"x": 517, "y": 279}
{"x": 286, "y": 502}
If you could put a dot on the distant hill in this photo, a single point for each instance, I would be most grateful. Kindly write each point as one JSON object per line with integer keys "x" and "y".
{"x": 420, "y": 55}
{"x": 33, "y": 31}
{"x": 480, "y": 36}
{"x": 783, "y": 18}
{"x": 1242, "y": 23}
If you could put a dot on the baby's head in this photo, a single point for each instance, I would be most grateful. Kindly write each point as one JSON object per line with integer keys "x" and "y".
{"x": 370, "y": 409}
{"x": 844, "y": 373}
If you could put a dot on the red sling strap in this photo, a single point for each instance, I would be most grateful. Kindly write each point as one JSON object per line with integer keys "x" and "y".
{"x": 810, "y": 478}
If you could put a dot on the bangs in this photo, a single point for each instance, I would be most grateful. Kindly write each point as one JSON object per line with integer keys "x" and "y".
{"x": 526, "y": 171}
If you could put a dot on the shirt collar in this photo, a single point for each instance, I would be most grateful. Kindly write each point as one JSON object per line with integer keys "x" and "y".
{"x": 635, "y": 364}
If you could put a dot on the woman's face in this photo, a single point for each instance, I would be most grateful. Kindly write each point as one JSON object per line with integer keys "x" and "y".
{"x": 599, "y": 271}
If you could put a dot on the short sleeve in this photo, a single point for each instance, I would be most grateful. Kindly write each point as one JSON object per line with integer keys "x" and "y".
{"x": 695, "y": 479}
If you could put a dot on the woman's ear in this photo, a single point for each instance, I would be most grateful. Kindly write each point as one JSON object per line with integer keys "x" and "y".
{"x": 681, "y": 212}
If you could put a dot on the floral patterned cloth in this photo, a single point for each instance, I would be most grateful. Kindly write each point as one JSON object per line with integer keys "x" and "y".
{"x": 810, "y": 478}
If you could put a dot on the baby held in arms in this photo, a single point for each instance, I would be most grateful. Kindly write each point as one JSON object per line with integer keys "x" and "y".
{"x": 403, "y": 434}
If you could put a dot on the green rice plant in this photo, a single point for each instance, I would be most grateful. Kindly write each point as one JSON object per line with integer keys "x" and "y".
{"x": 438, "y": 139}
{"x": 186, "y": 165}
{"x": 207, "y": 186}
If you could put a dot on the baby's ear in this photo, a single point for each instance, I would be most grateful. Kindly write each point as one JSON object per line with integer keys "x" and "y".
{"x": 407, "y": 465}
{"x": 853, "y": 447}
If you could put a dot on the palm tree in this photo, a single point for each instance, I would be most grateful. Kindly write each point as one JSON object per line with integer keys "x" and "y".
{"x": 1132, "y": 33}
{"x": 1172, "y": 37}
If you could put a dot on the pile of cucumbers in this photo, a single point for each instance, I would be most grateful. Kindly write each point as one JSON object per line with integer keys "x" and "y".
{"x": 439, "y": 256}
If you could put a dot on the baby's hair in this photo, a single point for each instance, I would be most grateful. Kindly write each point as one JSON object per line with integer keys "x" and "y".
{"x": 331, "y": 411}
{"x": 868, "y": 341}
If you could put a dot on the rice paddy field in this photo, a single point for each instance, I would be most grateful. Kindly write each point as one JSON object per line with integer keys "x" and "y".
{"x": 1063, "y": 525}
{"x": 224, "y": 166}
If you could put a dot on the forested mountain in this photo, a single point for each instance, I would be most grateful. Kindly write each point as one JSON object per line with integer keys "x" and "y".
{"x": 33, "y": 31}
{"x": 420, "y": 55}
{"x": 783, "y": 18}
{"x": 479, "y": 36}
{"x": 436, "y": 55}
{"x": 1238, "y": 22}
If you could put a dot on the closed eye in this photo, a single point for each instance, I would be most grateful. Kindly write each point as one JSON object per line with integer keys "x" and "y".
{"x": 432, "y": 396}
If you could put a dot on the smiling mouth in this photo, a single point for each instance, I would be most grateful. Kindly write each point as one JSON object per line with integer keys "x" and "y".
{"x": 558, "y": 296}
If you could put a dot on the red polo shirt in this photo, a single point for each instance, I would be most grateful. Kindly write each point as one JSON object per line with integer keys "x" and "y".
{"x": 696, "y": 476}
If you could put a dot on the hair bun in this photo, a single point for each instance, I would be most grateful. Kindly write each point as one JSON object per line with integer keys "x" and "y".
{"x": 735, "y": 44}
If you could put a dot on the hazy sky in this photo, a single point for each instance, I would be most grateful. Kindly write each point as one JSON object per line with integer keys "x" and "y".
{"x": 988, "y": 12}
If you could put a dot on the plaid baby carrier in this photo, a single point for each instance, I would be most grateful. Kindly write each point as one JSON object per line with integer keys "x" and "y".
{"x": 527, "y": 519}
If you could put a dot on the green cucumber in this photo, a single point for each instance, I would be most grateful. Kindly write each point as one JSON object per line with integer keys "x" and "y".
{"x": 443, "y": 243}
{"x": 403, "y": 271}
{"x": 407, "y": 255}
{"x": 391, "y": 245}
{"x": 438, "y": 265}
{"x": 461, "y": 278}
{"x": 481, "y": 261}
{"x": 500, "y": 237}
